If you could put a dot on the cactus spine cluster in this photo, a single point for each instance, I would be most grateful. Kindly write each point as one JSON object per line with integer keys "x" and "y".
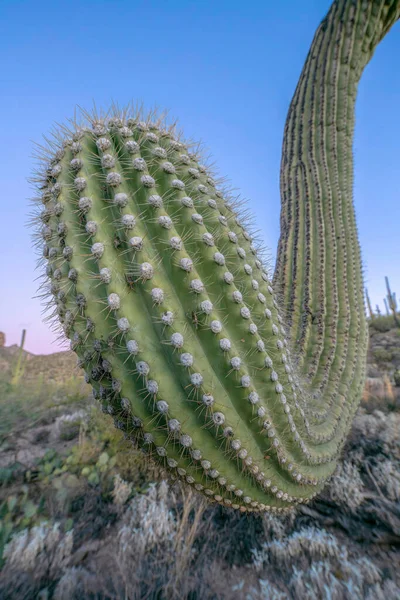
{"x": 241, "y": 386}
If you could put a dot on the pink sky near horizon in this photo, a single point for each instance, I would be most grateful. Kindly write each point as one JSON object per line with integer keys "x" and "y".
{"x": 40, "y": 339}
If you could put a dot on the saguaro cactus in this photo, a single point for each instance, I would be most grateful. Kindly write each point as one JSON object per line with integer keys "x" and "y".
{"x": 19, "y": 366}
{"x": 386, "y": 306}
{"x": 242, "y": 386}
{"x": 392, "y": 303}
{"x": 369, "y": 306}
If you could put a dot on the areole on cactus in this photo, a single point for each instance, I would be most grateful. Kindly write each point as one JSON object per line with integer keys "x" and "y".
{"x": 241, "y": 384}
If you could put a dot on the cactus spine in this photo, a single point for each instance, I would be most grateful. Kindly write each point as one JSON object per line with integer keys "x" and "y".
{"x": 242, "y": 387}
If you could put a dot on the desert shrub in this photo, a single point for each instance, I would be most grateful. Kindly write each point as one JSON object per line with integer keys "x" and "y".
{"x": 42, "y": 548}
{"x": 311, "y": 563}
{"x": 103, "y": 453}
{"x": 382, "y": 324}
{"x": 377, "y": 433}
{"x": 265, "y": 591}
{"x": 346, "y": 487}
{"x": 17, "y": 512}
{"x": 62, "y": 493}
{"x": 381, "y": 355}
{"x": 33, "y": 558}
{"x": 387, "y": 477}
{"x": 388, "y": 590}
{"x": 319, "y": 582}
{"x": 149, "y": 522}
{"x": 49, "y": 465}
{"x": 39, "y": 402}
{"x": 122, "y": 490}
{"x": 276, "y": 526}
{"x": 309, "y": 542}
{"x": 68, "y": 425}
{"x": 388, "y": 435}
{"x": 153, "y": 553}
{"x": 162, "y": 539}
{"x": 76, "y": 582}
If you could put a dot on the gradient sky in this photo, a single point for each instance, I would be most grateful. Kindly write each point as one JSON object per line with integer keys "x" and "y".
{"x": 226, "y": 69}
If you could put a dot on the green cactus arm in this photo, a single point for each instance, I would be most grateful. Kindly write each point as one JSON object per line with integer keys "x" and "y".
{"x": 243, "y": 387}
{"x": 318, "y": 270}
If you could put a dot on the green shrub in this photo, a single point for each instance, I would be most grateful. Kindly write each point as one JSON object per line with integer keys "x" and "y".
{"x": 382, "y": 324}
{"x": 381, "y": 355}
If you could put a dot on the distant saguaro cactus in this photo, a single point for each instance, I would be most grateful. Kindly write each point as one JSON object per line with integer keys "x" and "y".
{"x": 241, "y": 385}
{"x": 19, "y": 367}
{"x": 369, "y": 305}
{"x": 386, "y": 307}
{"x": 2, "y": 339}
{"x": 392, "y": 302}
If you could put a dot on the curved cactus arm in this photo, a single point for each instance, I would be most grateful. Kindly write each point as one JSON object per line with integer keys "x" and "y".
{"x": 318, "y": 272}
{"x": 169, "y": 306}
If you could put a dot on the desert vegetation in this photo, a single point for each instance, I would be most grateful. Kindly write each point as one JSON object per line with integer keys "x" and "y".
{"x": 86, "y": 515}
{"x": 220, "y": 450}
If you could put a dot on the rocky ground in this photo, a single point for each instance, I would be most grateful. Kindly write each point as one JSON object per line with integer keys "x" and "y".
{"x": 83, "y": 515}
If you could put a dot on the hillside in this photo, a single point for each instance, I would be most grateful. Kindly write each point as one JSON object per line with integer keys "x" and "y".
{"x": 57, "y": 367}
{"x": 383, "y": 361}
{"x": 86, "y": 516}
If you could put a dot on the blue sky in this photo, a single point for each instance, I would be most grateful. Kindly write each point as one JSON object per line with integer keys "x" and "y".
{"x": 226, "y": 69}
